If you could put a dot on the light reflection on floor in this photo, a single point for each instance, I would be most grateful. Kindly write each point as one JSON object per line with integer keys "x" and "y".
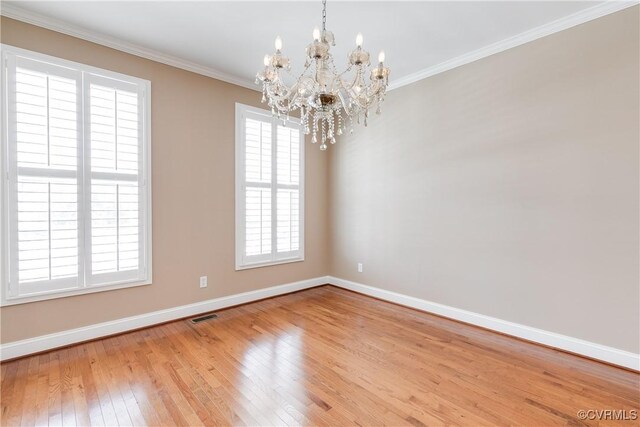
{"x": 273, "y": 364}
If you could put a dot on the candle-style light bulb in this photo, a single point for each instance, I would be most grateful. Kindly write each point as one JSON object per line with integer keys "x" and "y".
{"x": 359, "y": 40}
{"x": 266, "y": 60}
{"x": 316, "y": 34}
{"x": 381, "y": 56}
{"x": 278, "y": 43}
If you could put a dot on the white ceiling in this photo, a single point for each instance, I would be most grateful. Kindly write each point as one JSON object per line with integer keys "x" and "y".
{"x": 232, "y": 37}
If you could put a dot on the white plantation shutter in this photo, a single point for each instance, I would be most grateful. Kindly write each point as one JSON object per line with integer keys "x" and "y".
{"x": 257, "y": 177}
{"x": 115, "y": 141}
{"x": 43, "y": 130}
{"x": 75, "y": 196}
{"x": 269, "y": 183}
{"x": 288, "y": 197}
{"x": 288, "y": 221}
{"x": 258, "y": 222}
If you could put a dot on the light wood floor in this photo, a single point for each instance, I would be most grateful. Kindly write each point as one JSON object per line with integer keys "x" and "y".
{"x": 324, "y": 356}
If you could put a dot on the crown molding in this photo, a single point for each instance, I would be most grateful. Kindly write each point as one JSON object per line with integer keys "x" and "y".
{"x": 586, "y": 15}
{"x": 14, "y": 12}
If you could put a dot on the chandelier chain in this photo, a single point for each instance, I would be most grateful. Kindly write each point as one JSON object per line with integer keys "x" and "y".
{"x": 324, "y": 15}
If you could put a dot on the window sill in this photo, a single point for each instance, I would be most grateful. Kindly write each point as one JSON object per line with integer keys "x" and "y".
{"x": 6, "y": 301}
{"x": 268, "y": 263}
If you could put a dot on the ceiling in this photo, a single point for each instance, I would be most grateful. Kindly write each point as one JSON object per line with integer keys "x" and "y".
{"x": 230, "y": 38}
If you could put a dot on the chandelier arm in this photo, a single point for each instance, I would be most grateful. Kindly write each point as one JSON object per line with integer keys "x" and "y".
{"x": 297, "y": 80}
{"x": 347, "y": 87}
{"x": 307, "y": 66}
{"x": 339, "y": 75}
{"x": 362, "y": 105}
{"x": 372, "y": 89}
{"x": 353, "y": 95}
{"x": 356, "y": 79}
{"x": 379, "y": 91}
{"x": 344, "y": 107}
{"x": 290, "y": 93}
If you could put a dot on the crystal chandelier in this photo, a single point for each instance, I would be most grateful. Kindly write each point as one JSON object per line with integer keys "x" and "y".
{"x": 327, "y": 99}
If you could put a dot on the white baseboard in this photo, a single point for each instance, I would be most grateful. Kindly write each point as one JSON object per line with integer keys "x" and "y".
{"x": 47, "y": 342}
{"x": 586, "y": 348}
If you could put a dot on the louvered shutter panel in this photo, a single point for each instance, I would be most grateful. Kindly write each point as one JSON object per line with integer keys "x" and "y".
{"x": 288, "y": 198}
{"x": 43, "y": 203}
{"x": 268, "y": 189}
{"x": 257, "y": 160}
{"x": 115, "y": 159}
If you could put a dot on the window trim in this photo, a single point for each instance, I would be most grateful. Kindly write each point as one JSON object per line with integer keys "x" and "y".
{"x": 241, "y": 111}
{"x": 9, "y": 53}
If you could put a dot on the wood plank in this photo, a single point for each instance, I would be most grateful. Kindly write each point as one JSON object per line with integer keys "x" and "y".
{"x": 324, "y": 356}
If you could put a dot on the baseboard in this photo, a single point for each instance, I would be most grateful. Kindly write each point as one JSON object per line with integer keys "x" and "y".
{"x": 16, "y": 349}
{"x": 589, "y": 349}
{"x": 574, "y": 345}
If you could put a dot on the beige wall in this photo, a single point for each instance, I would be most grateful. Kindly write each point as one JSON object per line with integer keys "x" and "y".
{"x": 508, "y": 187}
{"x": 193, "y": 195}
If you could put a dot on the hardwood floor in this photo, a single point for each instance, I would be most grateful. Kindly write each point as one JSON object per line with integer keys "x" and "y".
{"x": 324, "y": 356}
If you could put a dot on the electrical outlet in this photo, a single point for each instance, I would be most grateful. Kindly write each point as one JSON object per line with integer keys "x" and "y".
{"x": 359, "y": 267}
{"x": 203, "y": 281}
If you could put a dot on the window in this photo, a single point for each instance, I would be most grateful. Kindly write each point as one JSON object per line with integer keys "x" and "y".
{"x": 269, "y": 189}
{"x": 76, "y": 167}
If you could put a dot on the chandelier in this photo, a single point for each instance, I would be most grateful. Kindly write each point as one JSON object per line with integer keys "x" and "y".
{"x": 327, "y": 99}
